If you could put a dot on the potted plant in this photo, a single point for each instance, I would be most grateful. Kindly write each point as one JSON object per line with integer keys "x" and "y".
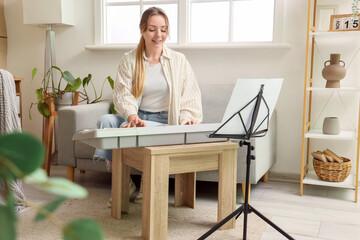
{"x": 355, "y": 8}
{"x": 49, "y": 90}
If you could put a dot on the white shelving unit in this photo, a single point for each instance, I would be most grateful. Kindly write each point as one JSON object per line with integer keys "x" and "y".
{"x": 312, "y": 179}
{"x": 308, "y": 176}
{"x": 343, "y": 135}
{"x": 335, "y": 34}
{"x": 341, "y": 89}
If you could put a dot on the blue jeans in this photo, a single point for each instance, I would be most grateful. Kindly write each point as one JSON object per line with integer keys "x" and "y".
{"x": 116, "y": 121}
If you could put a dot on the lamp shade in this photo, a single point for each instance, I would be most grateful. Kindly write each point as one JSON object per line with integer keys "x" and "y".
{"x": 54, "y": 12}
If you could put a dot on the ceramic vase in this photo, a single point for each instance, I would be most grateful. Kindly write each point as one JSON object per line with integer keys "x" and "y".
{"x": 331, "y": 126}
{"x": 333, "y": 71}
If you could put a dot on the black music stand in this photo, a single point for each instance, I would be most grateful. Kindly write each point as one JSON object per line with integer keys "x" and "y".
{"x": 252, "y": 131}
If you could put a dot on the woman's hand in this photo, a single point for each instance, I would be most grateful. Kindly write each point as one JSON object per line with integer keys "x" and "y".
{"x": 134, "y": 121}
{"x": 190, "y": 122}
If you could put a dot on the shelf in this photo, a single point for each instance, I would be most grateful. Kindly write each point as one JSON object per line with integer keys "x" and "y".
{"x": 336, "y": 34}
{"x": 344, "y": 135}
{"x": 312, "y": 178}
{"x": 342, "y": 89}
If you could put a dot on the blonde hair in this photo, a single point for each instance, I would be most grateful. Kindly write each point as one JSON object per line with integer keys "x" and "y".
{"x": 139, "y": 75}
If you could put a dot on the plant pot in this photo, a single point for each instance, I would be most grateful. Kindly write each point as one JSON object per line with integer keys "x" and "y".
{"x": 334, "y": 72}
{"x": 65, "y": 100}
{"x": 331, "y": 126}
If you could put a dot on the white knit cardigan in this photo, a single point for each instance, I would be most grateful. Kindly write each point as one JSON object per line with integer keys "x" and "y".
{"x": 185, "y": 97}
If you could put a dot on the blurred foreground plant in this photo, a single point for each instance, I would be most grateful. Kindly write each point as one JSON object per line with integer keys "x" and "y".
{"x": 21, "y": 156}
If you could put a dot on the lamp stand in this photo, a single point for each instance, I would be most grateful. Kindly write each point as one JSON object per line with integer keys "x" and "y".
{"x": 50, "y": 53}
{"x": 49, "y": 133}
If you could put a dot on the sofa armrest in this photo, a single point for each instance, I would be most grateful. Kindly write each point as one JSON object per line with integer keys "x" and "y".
{"x": 73, "y": 119}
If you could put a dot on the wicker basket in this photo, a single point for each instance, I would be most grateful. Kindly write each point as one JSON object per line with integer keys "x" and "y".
{"x": 332, "y": 172}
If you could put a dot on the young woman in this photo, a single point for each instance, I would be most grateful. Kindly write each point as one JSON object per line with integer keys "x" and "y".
{"x": 153, "y": 83}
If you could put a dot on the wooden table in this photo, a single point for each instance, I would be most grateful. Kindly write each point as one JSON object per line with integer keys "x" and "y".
{"x": 157, "y": 163}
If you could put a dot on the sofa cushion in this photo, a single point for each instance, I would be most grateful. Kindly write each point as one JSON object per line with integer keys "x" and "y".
{"x": 83, "y": 150}
{"x": 215, "y": 98}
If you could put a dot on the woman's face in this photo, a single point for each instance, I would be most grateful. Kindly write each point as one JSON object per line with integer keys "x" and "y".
{"x": 156, "y": 32}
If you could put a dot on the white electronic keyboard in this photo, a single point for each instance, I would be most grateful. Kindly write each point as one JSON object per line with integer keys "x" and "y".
{"x": 115, "y": 138}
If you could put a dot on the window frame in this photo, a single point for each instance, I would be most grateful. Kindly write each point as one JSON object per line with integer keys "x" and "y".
{"x": 184, "y": 30}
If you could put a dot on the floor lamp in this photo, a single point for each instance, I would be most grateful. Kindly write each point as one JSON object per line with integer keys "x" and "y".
{"x": 49, "y": 13}
{"x": 50, "y": 54}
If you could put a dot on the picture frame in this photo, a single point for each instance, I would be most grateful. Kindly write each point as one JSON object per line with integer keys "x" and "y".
{"x": 323, "y": 14}
{"x": 343, "y": 22}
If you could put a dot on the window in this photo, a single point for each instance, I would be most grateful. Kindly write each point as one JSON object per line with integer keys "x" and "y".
{"x": 191, "y": 21}
{"x": 121, "y": 19}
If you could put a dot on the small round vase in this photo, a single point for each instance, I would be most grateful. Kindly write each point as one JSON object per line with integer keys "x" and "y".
{"x": 334, "y": 72}
{"x": 331, "y": 126}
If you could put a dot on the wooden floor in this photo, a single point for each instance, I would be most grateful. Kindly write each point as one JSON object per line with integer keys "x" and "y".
{"x": 322, "y": 213}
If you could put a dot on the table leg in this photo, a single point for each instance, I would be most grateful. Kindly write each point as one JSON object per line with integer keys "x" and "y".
{"x": 116, "y": 185}
{"x": 155, "y": 197}
{"x": 243, "y": 188}
{"x": 185, "y": 189}
{"x": 227, "y": 187}
{"x": 125, "y": 198}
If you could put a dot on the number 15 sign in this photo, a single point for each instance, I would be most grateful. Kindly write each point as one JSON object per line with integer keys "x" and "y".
{"x": 344, "y": 22}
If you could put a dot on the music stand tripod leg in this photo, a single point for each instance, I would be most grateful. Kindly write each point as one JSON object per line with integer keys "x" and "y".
{"x": 246, "y": 208}
{"x": 222, "y": 222}
{"x": 271, "y": 223}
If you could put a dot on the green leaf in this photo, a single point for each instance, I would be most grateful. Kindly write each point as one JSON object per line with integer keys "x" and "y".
{"x": 83, "y": 229}
{"x": 57, "y": 68}
{"x": 72, "y": 88}
{"x": 8, "y": 218}
{"x": 10, "y": 202}
{"x": 112, "y": 108}
{"x": 31, "y": 105}
{"x": 62, "y": 187}
{"x": 69, "y": 78}
{"x": 33, "y": 73}
{"x": 8, "y": 223}
{"x": 38, "y": 176}
{"x": 23, "y": 150}
{"x": 39, "y": 94}
{"x": 49, "y": 207}
{"x": 86, "y": 80}
{"x": 58, "y": 186}
{"x": 43, "y": 109}
{"x": 111, "y": 82}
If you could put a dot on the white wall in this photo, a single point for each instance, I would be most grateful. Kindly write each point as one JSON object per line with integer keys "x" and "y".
{"x": 26, "y": 50}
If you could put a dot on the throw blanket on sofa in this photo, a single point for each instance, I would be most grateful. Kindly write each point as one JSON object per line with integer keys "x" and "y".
{"x": 9, "y": 122}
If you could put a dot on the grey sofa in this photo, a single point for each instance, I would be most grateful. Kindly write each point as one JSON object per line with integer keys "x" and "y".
{"x": 77, "y": 155}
